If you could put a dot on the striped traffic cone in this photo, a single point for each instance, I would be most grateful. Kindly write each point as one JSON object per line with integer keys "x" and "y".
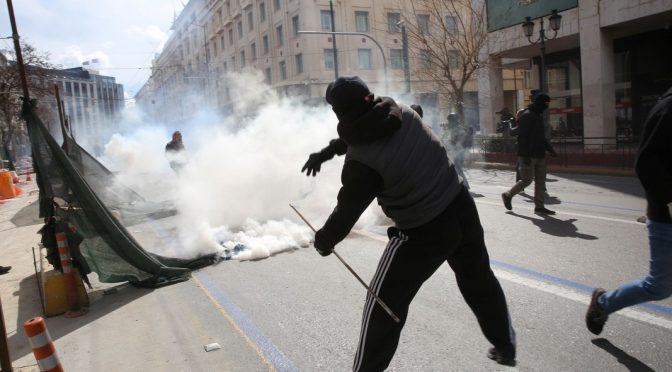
{"x": 43, "y": 348}
{"x": 71, "y": 292}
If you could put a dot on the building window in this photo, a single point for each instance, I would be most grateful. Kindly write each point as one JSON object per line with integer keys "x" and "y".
{"x": 453, "y": 59}
{"x": 392, "y": 22}
{"x": 214, "y": 48}
{"x": 423, "y": 23}
{"x": 295, "y": 25}
{"x": 276, "y": 5}
{"x": 264, "y": 41}
{"x": 362, "y": 21}
{"x": 268, "y": 75}
{"x": 329, "y": 59}
{"x": 240, "y": 29}
{"x": 325, "y": 18}
{"x": 242, "y": 58}
{"x": 298, "y": 59}
{"x": 250, "y": 20}
{"x": 226, "y": 67}
{"x": 233, "y": 63}
{"x": 262, "y": 12}
{"x": 364, "y": 59}
{"x": 283, "y": 70}
{"x": 253, "y": 49}
{"x": 424, "y": 59}
{"x": 221, "y": 42}
{"x": 279, "y": 35}
{"x": 451, "y": 25}
{"x": 396, "y": 59}
{"x": 231, "y": 36}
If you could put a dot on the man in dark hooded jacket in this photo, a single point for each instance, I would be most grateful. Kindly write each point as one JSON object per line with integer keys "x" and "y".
{"x": 392, "y": 156}
{"x": 532, "y": 148}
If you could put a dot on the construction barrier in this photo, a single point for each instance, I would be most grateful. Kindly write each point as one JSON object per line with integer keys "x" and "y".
{"x": 43, "y": 348}
{"x": 68, "y": 273}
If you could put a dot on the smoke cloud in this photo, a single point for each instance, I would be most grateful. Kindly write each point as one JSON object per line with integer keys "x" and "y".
{"x": 242, "y": 172}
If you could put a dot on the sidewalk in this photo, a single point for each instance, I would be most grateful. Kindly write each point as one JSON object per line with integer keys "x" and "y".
{"x": 573, "y": 169}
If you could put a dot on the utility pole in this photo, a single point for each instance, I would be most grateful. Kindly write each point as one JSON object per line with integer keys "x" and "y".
{"x": 333, "y": 38}
{"x": 404, "y": 53}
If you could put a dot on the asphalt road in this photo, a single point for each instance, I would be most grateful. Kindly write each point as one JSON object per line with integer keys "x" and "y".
{"x": 299, "y": 311}
{"x": 302, "y": 312}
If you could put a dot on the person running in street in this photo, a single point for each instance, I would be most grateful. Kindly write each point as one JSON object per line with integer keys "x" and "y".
{"x": 532, "y": 148}
{"x": 393, "y": 156}
{"x": 654, "y": 170}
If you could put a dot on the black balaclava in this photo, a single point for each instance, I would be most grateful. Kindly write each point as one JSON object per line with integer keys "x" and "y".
{"x": 349, "y": 97}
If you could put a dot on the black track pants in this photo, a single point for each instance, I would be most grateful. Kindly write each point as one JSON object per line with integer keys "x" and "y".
{"x": 411, "y": 257}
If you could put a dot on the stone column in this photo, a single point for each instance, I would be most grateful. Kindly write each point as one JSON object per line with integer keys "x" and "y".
{"x": 597, "y": 73}
{"x": 490, "y": 94}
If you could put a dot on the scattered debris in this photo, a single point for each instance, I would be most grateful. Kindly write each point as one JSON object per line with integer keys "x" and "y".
{"x": 641, "y": 219}
{"x": 212, "y": 346}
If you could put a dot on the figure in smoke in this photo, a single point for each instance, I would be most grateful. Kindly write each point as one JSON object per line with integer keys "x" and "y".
{"x": 175, "y": 152}
{"x": 654, "y": 170}
{"x": 461, "y": 139}
{"x": 393, "y": 156}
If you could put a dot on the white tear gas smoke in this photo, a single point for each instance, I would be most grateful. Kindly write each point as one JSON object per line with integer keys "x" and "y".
{"x": 241, "y": 174}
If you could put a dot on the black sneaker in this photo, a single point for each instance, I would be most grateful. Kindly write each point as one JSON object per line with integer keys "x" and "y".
{"x": 4, "y": 269}
{"x": 501, "y": 358}
{"x": 507, "y": 201}
{"x": 543, "y": 210}
{"x": 596, "y": 316}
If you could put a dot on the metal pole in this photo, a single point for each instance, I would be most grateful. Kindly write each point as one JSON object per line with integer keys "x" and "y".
{"x": 380, "y": 302}
{"x": 407, "y": 67}
{"x": 61, "y": 115}
{"x": 333, "y": 38}
{"x": 17, "y": 49}
{"x": 542, "y": 38}
{"x": 382, "y": 52}
{"x": 5, "y": 360}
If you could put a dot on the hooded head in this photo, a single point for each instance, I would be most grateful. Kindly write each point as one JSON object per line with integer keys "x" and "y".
{"x": 177, "y": 136}
{"x": 417, "y": 108}
{"x": 349, "y": 97}
{"x": 541, "y": 100}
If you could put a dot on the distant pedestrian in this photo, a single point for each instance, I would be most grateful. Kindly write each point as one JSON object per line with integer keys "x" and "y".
{"x": 392, "y": 156}
{"x": 654, "y": 170}
{"x": 175, "y": 152}
{"x": 532, "y": 148}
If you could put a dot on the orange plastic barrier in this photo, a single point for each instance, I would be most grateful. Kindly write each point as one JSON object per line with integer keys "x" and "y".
{"x": 6, "y": 185}
{"x": 68, "y": 273}
{"x": 43, "y": 349}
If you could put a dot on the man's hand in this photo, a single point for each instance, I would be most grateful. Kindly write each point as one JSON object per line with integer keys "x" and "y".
{"x": 322, "y": 247}
{"x": 313, "y": 164}
{"x": 527, "y": 161}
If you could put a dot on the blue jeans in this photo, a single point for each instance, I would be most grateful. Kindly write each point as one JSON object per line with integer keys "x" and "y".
{"x": 657, "y": 285}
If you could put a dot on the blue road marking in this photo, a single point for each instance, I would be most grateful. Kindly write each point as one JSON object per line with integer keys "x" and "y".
{"x": 568, "y": 283}
{"x": 271, "y": 352}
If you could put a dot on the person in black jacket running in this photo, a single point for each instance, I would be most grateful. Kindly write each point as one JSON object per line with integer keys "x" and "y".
{"x": 532, "y": 148}
{"x": 654, "y": 169}
{"x": 392, "y": 156}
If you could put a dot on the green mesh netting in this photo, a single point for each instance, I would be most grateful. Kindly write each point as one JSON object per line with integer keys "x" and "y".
{"x": 77, "y": 188}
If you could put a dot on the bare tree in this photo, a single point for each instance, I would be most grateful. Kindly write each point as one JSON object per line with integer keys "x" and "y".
{"x": 447, "y": 36}
{"x": 12, "y": 128}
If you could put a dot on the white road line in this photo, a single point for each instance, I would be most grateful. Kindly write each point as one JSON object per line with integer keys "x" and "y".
{"x": 568, "y": 213}
{"x": 556, "y": 290}
{"x": 580, "y": 298}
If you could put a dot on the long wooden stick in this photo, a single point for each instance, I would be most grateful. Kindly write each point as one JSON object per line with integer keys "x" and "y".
{"x": 380, "y": 302}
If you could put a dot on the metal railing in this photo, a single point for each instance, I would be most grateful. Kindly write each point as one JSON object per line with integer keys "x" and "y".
{"x": 619, "y": 152}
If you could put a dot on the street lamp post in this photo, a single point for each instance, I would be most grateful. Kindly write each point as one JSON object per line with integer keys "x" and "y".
{"x": 333, "y": 35}
{"x": 404, "y": 43}
{"x": 528, "y": 28}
